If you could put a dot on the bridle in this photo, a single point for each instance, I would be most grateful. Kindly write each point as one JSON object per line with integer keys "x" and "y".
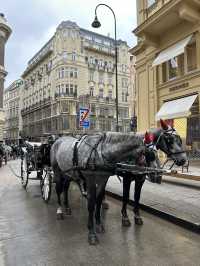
{"x": 167, "y": 133}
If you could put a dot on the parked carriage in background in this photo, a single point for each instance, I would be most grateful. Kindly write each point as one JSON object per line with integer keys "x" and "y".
{"x": 35, "y": 165}
{"x": 4, "y": 153}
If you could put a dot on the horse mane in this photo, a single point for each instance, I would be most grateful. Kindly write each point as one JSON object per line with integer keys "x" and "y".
{"x": 116, "y": 137}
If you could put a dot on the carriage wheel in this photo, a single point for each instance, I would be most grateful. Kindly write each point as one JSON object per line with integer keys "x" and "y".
{"x": 24, "y": 171}
{"x": 46, "y": 184}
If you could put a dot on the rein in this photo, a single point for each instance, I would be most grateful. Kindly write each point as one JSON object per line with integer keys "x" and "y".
{"x": 167, "y": 152}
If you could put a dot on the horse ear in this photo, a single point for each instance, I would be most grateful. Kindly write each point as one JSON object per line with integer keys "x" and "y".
{"x": 164, "y": 125}
{"x": 148, "y": 138}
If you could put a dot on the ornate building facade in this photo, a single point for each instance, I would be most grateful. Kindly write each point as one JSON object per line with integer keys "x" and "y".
{"x": 168, "y": 65}
{"x": 75, "y": 69}
{"x": 12, "y": 108}
{"x": 5, "y": 32}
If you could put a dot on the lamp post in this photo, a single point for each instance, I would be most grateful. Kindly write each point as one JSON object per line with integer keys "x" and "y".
{"x": 96, "y": 24}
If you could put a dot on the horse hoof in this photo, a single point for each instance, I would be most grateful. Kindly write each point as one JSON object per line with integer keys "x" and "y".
{"x": 100, "y": 229}
{"x": 68, "y": 211}
{"x": 126, "y": 222}
{"x": 93, "y": 239}
{"x": 105, "y": 205}
{"x": 138, "y": 221}
{"x": 60, "y": 216}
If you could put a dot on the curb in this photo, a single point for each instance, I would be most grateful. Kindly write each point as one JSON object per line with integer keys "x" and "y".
{"x": 194, "y": 227}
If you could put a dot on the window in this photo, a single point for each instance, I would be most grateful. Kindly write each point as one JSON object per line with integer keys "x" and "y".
{"x": 101, "y": 93}
{"x": 91, "y": 75}
{"x": 101, "y": 63}
{"x": 173, "y": 67}
{"x": 71, "y": 90}
{"x": 62, "y": 73}
{"x": 64, "y": 55}
{"x": 110, "y": 65}
{"x": 123, "y": 97}
{"x": 191, "y": 57}
{"x": 75, "y": 73}
{"x": 71, "y": 73}
{"x": 110, "y": 94}
{"x": 124, "y": 68}
{"x": 91, "y": 92}
{"x": 65, "y": 123}
{"x": 75, "y": 91}
{"x": 93, "y": 108}
{"x": 124, "y": 83}
{"x": 91, "y": 60}
{"x": 150, "y": 2}
{"x": 73, "y": 56}
{"x": 65, "y": 107}
{"x": 67, "y": 89}
{"x": 62, "y": 89}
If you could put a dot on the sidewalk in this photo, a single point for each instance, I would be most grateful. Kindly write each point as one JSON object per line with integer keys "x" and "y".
{"x": 177, "y": 200}
{"x": 193, "y": 171}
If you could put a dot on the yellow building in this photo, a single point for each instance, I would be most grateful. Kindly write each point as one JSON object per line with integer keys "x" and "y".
{"x": 168, "y": 65}
{"x": 75, "y": 69}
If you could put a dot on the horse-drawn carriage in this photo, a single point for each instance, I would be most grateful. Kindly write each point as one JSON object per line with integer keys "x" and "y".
{"x": 94, "y": 158}
{"x": 35, "y": 165}
{"x": 3, "y": 154}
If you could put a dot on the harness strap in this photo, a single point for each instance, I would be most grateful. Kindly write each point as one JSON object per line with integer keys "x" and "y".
{"x": 94, "y": 148}
{"x": 75, "y": 154}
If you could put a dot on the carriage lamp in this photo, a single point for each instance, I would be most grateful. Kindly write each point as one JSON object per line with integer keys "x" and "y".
{"x": 96, "y": 24}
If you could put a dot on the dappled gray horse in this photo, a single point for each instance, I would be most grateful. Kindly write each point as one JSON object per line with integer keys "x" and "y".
{"x": 95, "y": 157}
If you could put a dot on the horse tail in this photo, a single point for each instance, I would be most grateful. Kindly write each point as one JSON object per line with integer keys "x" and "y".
{"x": 53, "y": 153}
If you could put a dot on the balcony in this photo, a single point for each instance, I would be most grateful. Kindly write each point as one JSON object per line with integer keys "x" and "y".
{"x": 95, "y": 47}
{"x": 165, "y": 15}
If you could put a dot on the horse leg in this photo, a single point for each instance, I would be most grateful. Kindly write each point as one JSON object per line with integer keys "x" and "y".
{"x": 59, "y": 190}
{"x": 100, "y": 196}
{"x": 105, "y": 204}
{"x": 92, "y": 237}
{"x": 126, "y": 191}
{"x": 138, "y": 187}
{"x": 66, "y": 199}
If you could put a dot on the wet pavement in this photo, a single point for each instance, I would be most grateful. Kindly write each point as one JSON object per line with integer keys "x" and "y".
{"x": 31, "y": 235}
{"x": 177, "y": 197}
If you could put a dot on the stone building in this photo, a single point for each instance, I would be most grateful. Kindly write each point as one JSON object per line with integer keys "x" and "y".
{"x": 168, "y": 65}
{"x": 5, "y": 32}
{"x": 12, "y": 108}
{"x": 74, "y": 69}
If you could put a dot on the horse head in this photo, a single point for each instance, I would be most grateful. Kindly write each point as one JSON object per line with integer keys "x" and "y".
{"x": 167, "y": 140}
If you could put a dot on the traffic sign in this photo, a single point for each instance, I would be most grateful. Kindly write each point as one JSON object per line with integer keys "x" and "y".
{"x": 84, "y": 117}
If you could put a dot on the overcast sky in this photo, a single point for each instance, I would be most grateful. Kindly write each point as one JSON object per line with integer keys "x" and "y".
{"x": 34, "y": 21}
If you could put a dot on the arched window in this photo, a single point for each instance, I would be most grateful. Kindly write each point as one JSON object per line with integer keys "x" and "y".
{"x": 91, "y": 91}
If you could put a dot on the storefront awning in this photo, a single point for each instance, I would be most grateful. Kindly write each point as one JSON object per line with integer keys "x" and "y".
{"x": 172, "y": 51}
{"x": 176, "y": 108}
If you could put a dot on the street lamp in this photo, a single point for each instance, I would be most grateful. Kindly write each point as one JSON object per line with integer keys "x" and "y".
{"x": 97, "y": 24}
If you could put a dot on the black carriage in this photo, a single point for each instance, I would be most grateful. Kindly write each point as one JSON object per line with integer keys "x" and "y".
{"x": 35, "y": 165}
{"x": 3, "y": 155}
